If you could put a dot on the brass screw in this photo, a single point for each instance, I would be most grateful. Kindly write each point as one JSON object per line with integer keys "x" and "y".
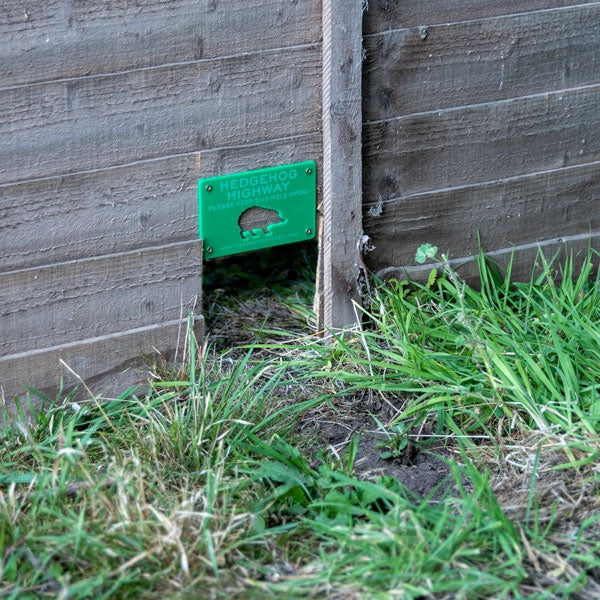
{"x": 209, "y": 188}
{"x": 308, "y": 171}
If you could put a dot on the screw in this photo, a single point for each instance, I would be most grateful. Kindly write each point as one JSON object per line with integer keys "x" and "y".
{"x": 308, "y": 171}
{"x": 209, "y": 250}
{"x": 209, "y": 188}
{"x": 308, "y": 232}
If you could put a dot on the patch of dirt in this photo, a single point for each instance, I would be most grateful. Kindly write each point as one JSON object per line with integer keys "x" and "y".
{"x": 421, "y": 466}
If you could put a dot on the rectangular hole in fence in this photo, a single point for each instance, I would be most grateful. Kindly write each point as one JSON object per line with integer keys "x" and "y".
{"x": 271, "y": 289}
{"x": 258, "y": 229}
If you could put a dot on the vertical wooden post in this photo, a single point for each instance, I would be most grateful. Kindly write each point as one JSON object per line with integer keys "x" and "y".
{"x": 342, "y": 162}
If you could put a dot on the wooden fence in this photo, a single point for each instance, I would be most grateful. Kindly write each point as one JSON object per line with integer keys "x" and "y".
{"x": 109, "y": 114}
{"x": 480, "y": 117}
{"x": 429, "y": 122}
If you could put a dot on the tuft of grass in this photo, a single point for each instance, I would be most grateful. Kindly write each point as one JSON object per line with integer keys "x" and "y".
{"x": 502, "y": 359}
{"x": 119, "y": 498}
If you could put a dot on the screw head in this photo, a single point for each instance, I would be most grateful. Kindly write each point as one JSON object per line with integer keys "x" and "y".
{"x": 308, "y": 231}
{"x": 209, "y": 188}
{"x": 209, "y": 250}
{"x": 308, "y": 171}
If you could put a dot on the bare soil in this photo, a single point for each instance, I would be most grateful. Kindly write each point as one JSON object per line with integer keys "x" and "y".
{"x": 422, "y": 467}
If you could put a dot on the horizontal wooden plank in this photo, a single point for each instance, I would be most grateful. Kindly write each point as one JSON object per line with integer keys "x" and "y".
{"x": 505, "y": 213}
{"x": 70, "y": 301}
{"x": 113, "y": 210}
{"x": 96, "y": 122}
{"x": 106, "y": 365}
{"x": 394, "y": 14}
{"x": 525, "y": 259}
{"x": 410, "y": 70}
{"x": 61, "y": 38}
{"x": 485, "y": 142}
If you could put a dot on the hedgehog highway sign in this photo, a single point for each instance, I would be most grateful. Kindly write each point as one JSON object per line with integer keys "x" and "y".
{"x": 257, "y": 209}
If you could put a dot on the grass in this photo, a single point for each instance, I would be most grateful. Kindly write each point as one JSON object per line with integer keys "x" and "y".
{"x": 209, "y": 483}
{"x": 508, "y": 357}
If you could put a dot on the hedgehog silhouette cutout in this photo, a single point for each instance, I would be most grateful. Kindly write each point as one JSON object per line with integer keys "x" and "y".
{"x": 257, "y": 218}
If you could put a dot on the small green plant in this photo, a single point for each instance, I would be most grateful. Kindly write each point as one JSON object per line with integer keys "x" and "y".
{"x": 397, "y": 442}
{"x": 425, "y": 252}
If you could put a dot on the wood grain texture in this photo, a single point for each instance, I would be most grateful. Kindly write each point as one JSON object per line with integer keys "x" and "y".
{"x": 107, "y": 364}
{"x": 384, "y": 15}
{"x": 506, "y": 213}
{"x": 525, "y": 259}
{"x": 58, "y": 39}
{"x": 416, "y": 70}
{"x": 112, "y": 210}
{"x": 485, "y": 142}
{"x": 342, "y": 161}
{"x": 90, "y": 123}
{"x": 70, "y": 301}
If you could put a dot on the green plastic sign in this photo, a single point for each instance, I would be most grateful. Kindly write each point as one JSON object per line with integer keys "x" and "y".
{"x": 257, "y": 209}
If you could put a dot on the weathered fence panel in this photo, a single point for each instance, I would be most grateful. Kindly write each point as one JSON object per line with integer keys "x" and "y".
{"x": 109, "y": 363}
{"x": 542, "y": 207}
{"x": 60, "y": 127}
{"x": 429, "y": 122}
{"x": 479, "y": 119}
{"x": 109, "y": 114}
